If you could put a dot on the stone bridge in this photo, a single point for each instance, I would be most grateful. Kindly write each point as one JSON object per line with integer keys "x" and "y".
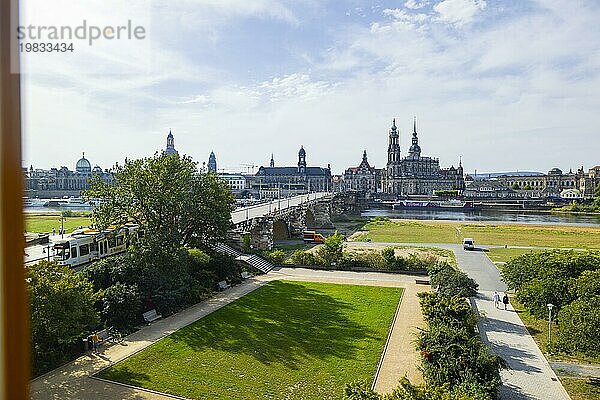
{"x": 287, "y": 218}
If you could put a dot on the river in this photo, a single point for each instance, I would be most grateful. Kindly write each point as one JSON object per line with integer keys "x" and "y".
{"x": 496, "y": 216}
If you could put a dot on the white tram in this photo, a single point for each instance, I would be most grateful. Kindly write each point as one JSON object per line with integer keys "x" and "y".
{"x": 86, "y": 245}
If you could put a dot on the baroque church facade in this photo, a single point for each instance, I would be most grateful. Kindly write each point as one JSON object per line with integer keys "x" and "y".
{"x": 415, "y": 174}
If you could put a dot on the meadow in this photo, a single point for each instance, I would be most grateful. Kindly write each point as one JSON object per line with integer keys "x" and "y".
{"x": 408, "y": 231}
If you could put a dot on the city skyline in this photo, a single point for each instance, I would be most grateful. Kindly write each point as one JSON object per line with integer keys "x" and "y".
{"x": 506, "y": 85}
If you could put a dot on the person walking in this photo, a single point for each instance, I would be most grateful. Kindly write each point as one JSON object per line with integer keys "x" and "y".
{"x": 505, "y": 300}
{"x": 496, "y": 299}
{"x": 95, "y": 342}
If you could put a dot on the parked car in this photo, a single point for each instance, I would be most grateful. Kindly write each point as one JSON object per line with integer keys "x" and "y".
{"x": 468, "y": 244}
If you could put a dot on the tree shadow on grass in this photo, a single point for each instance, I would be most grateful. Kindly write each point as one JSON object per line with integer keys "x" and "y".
{"x": 283, "y": 323}
{"x": 124, "y": 374}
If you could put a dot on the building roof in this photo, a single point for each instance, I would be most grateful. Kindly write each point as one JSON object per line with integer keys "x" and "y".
{"x": 311, "y": 171}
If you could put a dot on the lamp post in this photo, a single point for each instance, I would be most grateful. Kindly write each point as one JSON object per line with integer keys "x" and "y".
{"x": 550, "y": 305}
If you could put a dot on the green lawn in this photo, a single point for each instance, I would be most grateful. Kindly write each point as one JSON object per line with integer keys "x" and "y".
{"x": 580, "y": 389}
{"x": 499, "y": 254}
{"x": 45, "y": 223}
{"x": 291, "y": 340}
{"x": 453, "y": 232}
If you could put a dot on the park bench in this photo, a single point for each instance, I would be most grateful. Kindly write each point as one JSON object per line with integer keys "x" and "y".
{"x": 223, "y": 285}
{"x": 422, "y": 281}
{"x": 245, "y": 275}
{"x": 151, "y": 315}
{"x": 105, "y": 335}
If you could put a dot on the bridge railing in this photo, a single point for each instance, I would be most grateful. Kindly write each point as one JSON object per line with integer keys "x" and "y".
{"x": 263, "y": 209}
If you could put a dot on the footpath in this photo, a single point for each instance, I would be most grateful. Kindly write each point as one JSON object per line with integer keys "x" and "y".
{"x": 75, "y": 380}
{"x": 529, "y": 376}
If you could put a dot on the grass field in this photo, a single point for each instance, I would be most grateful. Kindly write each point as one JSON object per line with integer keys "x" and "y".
{"x": 44, "y": 223}
{"x": 291, "y": 340}
{"x": 580, "y": 389}
{"x": 405, "y": 231}
{"x": 502, "y": 255}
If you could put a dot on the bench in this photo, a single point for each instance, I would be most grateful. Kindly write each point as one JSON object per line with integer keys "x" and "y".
{"x": 151, "y": 315}
{"x": 245, "y": 275}
{"x": 105, "y": 335}
{"x": 223, "y": 285}
{"x": 422, "y": 281}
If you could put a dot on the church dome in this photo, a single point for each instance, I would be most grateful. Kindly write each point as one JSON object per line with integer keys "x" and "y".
{"x": 555, "y": 171}
{"x": 83, "y": 166}
{"x": 302, "y": 152}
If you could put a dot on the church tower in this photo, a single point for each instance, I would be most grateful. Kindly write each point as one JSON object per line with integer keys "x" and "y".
{"x": 272, "y": 163}
{"x": 302, "y": 160}
{"x": 170, "y": 144}
{"x": 415, "y": 149}
{"x": 212, "y": 162}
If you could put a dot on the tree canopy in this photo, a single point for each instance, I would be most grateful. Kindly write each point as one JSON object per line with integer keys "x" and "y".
{"x": 167, "y": 195}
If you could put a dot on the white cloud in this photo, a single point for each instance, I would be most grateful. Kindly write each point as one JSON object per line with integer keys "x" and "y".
{"x": 415, "y": 4}
{"x": 459, "y": 12}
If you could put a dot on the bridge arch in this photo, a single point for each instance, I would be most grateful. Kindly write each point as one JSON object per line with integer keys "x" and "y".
{"x": 310, "y": 219}
{"x": 281, "y": 231}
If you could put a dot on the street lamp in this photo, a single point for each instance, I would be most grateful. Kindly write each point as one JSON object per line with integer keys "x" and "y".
{"x": 550, "y": 305}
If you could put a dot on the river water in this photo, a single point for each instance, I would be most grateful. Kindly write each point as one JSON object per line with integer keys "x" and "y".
{"x": 503, "y": 216}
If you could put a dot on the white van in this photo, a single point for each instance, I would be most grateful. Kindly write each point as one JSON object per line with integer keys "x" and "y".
{"x": 468, "y": 244}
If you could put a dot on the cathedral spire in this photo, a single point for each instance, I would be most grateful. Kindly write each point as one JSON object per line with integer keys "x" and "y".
{"x": 272, "y": 163}
{"x": 415, "y": 125}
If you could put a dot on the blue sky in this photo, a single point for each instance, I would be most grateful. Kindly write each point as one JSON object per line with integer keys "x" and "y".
{"x": 507, "y": 85}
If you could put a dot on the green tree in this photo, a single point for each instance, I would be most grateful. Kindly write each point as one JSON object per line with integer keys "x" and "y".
{"x": 122, "y": 305}
{"x": 597, "y": 196}
{"x": 62, "y": 313}
{"x": 166, "y": 194}
{"x": 389, "y": 255}
{"x": 579, "y": 326}
{"x": 332, "y": 249}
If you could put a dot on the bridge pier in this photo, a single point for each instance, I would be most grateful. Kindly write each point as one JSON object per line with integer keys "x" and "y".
{"x": 289, "y": 222}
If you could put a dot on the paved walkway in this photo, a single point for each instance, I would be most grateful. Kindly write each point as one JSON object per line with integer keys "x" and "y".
{"x": 74, "y": 381}
{"x": 529, "y": 375}
{"x": 401, "y": 358}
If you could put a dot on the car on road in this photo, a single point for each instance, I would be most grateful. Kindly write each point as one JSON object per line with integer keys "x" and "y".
{"x": 468, "y": 244}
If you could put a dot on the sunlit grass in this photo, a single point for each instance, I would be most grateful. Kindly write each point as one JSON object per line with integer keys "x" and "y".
{"x": 485, "y": 234}
{"x": 286, "y": 340}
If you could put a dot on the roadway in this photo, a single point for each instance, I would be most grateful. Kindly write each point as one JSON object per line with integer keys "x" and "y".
{"x": 260, "y": 210}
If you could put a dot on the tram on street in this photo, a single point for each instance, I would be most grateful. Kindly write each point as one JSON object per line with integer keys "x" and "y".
{"x": 86, "y": 245}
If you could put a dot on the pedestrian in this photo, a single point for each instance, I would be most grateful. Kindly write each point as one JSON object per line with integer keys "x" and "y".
{"x": 496, "y": 299}
{"x": 505, "y": 300}
{"x": 95, "y": 341}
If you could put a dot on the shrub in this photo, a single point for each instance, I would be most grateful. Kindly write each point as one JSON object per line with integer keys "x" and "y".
{"x": 275, "y": 256}
{"x": 301, "y": 257}
{"x": 122, "y": 305}
{"x": 389, "y": 257}
{"x": 454, "y": 311}
{"x": 363, "y": 259}
{"x": 332, "y": 249}
{"x": 451, "y": 282}
{"x": 199, "y": 257}
{"x": 588, "y": 284}
{"x": 579, "y": 324}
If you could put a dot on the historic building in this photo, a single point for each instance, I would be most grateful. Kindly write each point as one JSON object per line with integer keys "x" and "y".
{"x": 364, "y": 179}
{"x": 170, "y": 149}
{"x": 59, "y": 182}
{"x": 212, "y": 162}
{"x": 275, "y": 181}
{"x": 415, "y": 174}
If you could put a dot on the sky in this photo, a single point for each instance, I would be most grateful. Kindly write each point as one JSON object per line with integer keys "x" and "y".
{"x": 506, "y": 85}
